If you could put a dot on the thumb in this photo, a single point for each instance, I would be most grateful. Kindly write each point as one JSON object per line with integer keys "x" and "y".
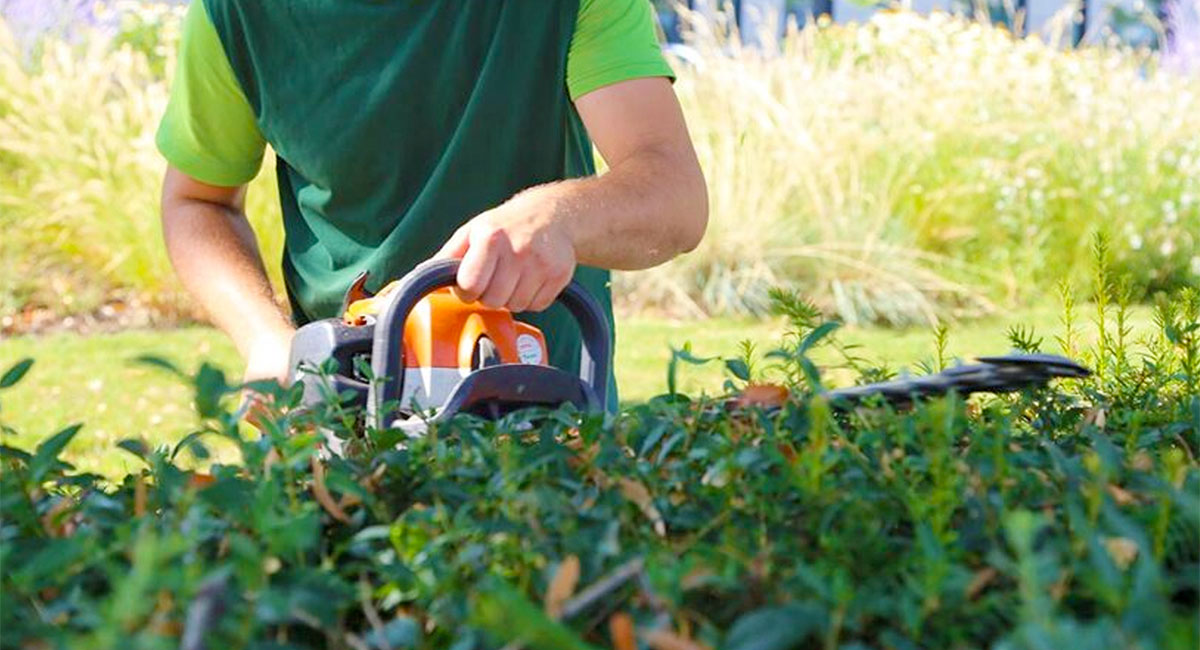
{"x": 456, "y": 247}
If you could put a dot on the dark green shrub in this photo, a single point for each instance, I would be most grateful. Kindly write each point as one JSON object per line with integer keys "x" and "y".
{"x": 1066, "y": 517}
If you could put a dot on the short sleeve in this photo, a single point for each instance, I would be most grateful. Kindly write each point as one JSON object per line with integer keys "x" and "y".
{"x": 614, "y": 40}
{"x": 208, "y": 131}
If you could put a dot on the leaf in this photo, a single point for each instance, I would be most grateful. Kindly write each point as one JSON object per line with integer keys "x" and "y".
{"x": 981, "y": 579}
{"x": 562, "y": 586}
{"x": 505, "y": 613}
{"x": 158, "y": 362}
{"x": 738, "y": 368}
{"x": 15, "y": 373}
{"x": 620, "y": 631}
{"x": 776, "y": 628}
{"x": 136, "y": 447}
{"x": 668, "y": 640}
{"x": 633, "y": 490}
{"x": 817, "y": 335}
{"x": 1120, "y": 495}
{"x": 1122, "y": 550}
{"x": 400, "y": 632}
{"x": 762, "y": 395}
{"x": 210, "y": 388}
{"x": 190, "y": 442}
{"x": 18, "y": 455}
{"x": 199, "y": 481}
{"x": 45, "y": 458}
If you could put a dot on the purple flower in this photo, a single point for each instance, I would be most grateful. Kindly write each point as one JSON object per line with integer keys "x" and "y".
{"x": 32, "y": 19}
{"x": 1182, "y": 51}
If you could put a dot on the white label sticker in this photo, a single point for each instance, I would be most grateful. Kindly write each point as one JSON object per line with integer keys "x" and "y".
{"x": 529, "y": 349}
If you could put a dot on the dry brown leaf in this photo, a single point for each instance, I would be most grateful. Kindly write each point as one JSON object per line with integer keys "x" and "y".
{"x": 1094, "y": 416}
{"x": 669, "y": 640}
{"x": 982, "y": 579}
{"x": 562, "y": 586}
{"x": 620, "y": 630}
{"x": 764, "y": 395}
{"x": 322, "y": 495}
{"x": 1122, "y": 550}
{"x": 1122, "y": 496}
{"x": 370, "y": 484}
{"x": 1142, "y": 462}
{"x": 50, "y": 520}
{"x": 637, "y": 493}
{"x": 200, "y": 481}
{"x": 697, "y": 577}
{"x": 1058, "y": 589}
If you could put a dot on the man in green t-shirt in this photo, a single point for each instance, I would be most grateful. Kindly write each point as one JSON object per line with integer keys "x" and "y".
{"x": 405, "y": 130}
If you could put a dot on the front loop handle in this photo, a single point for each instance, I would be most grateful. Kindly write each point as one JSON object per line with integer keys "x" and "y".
{"x": 387, "y": 352}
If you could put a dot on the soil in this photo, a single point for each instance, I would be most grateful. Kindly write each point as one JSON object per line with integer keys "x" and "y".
{"x": 111, "y": 316}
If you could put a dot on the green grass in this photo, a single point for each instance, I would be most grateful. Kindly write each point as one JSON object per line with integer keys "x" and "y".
{"x": 96, "y": 380}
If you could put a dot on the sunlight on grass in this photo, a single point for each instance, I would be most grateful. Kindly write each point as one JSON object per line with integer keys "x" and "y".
{"x": 96, "y": 380}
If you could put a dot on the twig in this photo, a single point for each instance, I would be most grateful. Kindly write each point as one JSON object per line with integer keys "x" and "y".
{"x": 662, "y": 617}
{"x": 204, "y": 613}
{"x": 603, "y": 587}
{"x": 364, "y": 591}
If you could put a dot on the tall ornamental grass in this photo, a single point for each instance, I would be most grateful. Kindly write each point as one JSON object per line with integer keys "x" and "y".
{"x": 904, "y": 170}
{"x": 915, "y": 167}
{"x": 80, "y": 176}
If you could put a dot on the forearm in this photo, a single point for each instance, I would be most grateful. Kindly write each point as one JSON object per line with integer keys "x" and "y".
{"x": 651, "y": 206}
{"x": 648, "y": 208}
{"x": 216, "y": 256}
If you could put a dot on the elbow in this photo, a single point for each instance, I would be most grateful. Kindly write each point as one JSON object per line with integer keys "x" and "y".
{"x": 693, "y": 219}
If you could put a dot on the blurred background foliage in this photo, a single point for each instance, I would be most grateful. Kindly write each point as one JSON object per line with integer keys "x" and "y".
{"x": 908, "y": 169}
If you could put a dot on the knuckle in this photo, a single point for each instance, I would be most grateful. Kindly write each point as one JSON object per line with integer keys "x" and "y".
{"x": 494, "y": 236}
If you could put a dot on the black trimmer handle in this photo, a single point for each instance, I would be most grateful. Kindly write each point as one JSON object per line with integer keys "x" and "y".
{"x": 387, "y": 353}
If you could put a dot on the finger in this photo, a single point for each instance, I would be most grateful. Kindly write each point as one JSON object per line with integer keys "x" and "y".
{"x": 548, "y": 293}
{"x": 476, "y": 270}
{"x": 522, "y": 296}
{"x": 456, "y": 246}
{"x": 500, "y": 289}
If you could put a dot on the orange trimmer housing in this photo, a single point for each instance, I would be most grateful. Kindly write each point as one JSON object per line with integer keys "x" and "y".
{"x": 445, "y": 339}
{"x": 415, "y": 351}
{"x": 445, "y": 332}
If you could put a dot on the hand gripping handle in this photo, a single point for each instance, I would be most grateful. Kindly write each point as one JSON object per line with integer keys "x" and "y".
{"x": 387, "y": 352}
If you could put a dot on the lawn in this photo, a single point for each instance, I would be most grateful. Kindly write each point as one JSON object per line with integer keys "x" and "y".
{"x": 96, "y": 380}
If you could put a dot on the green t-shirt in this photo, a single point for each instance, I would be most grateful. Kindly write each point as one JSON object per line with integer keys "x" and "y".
{"x": 209, "y": 130}
{"x": 395, "y": 121}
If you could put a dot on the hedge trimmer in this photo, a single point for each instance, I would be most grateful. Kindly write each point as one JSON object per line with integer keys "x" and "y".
{"x": 417, "y": 352}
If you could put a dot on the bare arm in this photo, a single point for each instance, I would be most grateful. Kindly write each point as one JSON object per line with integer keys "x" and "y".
{"x": 216, "y": 256}
{"x": 651, "y": 206}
